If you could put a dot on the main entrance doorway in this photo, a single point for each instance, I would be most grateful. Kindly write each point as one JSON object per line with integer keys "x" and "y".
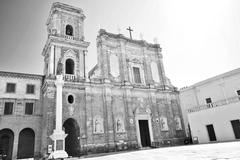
{"x": 72, "y": 145}
{"x": 6, "y": 143}
{"x": 144, "y": 133}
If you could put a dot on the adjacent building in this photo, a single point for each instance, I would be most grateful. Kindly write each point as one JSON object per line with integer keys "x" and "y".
{"x": 125, "y": 102}
{"x": 211, "y": 108}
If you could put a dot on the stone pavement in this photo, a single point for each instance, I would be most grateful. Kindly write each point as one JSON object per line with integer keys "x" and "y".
{"x": 214, "y": 151}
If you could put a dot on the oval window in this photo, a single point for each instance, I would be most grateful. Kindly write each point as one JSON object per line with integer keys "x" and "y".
{"x": 70, "y": 99}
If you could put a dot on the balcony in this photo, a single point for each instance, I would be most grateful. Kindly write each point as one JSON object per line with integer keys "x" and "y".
{"x": 69, "y": 37}
{"x": 69, "y": 77}
{"x": 223, "y": 102}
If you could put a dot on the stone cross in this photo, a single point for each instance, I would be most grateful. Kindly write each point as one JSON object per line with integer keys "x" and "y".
{"x": 155, "y": 40}
{"x": 130, "y": 31}
{"x": 141, "y": 36}
{"x": 119, "y": 30}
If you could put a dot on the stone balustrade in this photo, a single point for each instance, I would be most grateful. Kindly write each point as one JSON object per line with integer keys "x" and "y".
{"x": 219, "y": 103}
{"x": 69, "y": 77}
{"x": 69, "y": 37}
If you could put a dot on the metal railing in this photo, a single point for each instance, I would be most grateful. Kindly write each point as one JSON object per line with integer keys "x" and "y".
{"x": 219, "y": 103}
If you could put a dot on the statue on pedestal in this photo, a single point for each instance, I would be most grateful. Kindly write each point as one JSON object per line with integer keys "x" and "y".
{"x": 59, "y": 67}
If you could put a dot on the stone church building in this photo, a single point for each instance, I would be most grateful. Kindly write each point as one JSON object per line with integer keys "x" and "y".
{"x": 125, "y": 102}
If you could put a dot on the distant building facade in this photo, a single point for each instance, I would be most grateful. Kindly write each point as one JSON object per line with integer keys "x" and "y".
{"x": 211, "y": 108}
{"x": 125, "y": 102}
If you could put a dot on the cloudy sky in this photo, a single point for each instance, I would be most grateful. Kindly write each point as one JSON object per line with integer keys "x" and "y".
{"x": 199, "y": 38}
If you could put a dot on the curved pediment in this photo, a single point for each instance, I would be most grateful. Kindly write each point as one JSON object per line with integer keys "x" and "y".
{"x": 143, "y": 110}
{"x": 70, "y": 53}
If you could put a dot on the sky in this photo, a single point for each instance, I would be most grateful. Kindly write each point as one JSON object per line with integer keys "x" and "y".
{"x": 199, "y": 38}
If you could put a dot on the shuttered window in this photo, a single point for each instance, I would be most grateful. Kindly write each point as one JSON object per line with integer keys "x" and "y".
{"x": 30, "y": 89}
{"x": 29, "y": 108}
{"x": 8, "y": 108}
{"x": 11, "y": 87}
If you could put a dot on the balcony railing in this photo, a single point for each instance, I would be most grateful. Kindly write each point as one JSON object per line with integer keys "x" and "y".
{"x": 219, "y": 103}
{"x": 69, "y": 37}
{"x": 69, "y": 77}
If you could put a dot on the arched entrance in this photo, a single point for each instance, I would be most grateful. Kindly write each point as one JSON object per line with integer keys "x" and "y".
{"x": 6, "y": 143}
{"x": 26, "y": 143}
{"x": 72, "y": 145}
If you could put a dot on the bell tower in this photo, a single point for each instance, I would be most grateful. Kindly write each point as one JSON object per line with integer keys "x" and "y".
{"x": 65, "y": 48}
{"x": 64, "y": 63}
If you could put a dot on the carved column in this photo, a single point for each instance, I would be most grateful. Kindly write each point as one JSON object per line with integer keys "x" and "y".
{"x": 51, "y": 60}
{"x": 59, "y": 135}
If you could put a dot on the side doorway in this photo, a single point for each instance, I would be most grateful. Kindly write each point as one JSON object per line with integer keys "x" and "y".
{"x": 6, "y": 144}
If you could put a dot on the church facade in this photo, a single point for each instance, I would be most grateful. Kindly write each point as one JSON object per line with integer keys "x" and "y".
{"x": 125, "y": 102}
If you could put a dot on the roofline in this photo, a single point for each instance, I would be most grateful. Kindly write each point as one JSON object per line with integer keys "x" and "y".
{"x": 25, "y": 75}
{"x": 102, "y": 32}
{"x": 223, "y": 75}
{"x": 66, "y": 7}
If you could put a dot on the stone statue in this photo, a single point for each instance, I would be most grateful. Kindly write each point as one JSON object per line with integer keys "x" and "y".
{"x": 59, "y": 67}
{"x": 98, "y": 126}
{"x": 163, "y": 123}
{"x": 119, "y": 126}
{"x": 178, "y": 123}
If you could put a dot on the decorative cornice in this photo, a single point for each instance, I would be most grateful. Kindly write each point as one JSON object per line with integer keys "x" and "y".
{"x": 103, "y": 32}
{"x": 62, "y": 40}
{"x": 64, "y": 7}
{"x": 21, "y": 75}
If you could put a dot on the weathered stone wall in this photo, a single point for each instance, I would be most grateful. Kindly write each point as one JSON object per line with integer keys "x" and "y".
{"x": 109, "y": 102}
{"x": 49, "y": 110}
{"x": 130, "y": 53}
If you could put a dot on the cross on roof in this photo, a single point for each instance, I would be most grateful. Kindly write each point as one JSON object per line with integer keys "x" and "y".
{"x": 130, "y": 31}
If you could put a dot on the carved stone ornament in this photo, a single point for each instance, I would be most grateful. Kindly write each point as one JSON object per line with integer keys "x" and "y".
{"x": 50, "y": 93}
{"x": 148, "y": 110}
{"x": 71, "y": 110}
{"x": 131, "y": 121}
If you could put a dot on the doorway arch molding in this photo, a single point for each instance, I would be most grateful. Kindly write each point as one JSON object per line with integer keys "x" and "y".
{"x": 143, "y": 113}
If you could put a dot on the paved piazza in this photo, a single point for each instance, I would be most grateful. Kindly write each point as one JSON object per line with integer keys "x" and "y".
{"x": 216, "y": 151}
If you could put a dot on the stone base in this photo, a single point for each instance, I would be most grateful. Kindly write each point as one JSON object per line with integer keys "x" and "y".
{"x": 58, "y": 154}
{"x": 59, "y": 149}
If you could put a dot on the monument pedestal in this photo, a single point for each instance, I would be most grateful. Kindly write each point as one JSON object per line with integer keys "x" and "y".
{"x": 58, "y": 135}
{"x": 58, "y": 138}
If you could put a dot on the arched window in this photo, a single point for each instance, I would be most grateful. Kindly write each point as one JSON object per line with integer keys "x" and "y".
{"x": 69, "y": 66}
{"x": 69, "y": 30}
